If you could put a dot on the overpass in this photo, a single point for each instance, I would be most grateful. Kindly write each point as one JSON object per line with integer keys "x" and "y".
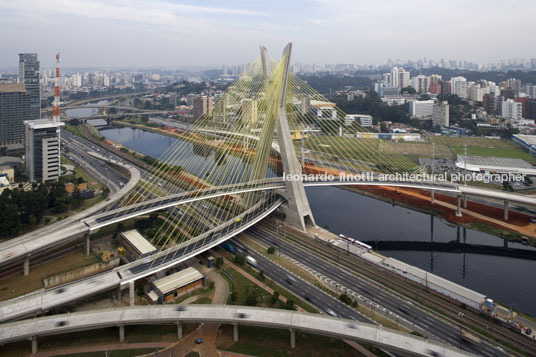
{"x": 68, "y": 229}
{"x": 24, "y": 246}
{"x": 293, "y": 321}
{"x": 124, "y": 276}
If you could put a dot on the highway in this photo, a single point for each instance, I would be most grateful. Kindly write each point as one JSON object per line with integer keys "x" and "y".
{"x": 233, "y": 315}
{"x": 47, "y": 299}
{"x": 428, "y": 324}
{"x": 435, "y": 304}
{"x": 69, "y": 228}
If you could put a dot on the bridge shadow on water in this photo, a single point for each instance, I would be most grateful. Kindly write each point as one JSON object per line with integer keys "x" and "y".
{"x": 454, "y": 247}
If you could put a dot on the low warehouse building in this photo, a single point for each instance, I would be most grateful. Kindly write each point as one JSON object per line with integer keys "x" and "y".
{"x": 135, "y": 244}
{"x": 168, "y": 288}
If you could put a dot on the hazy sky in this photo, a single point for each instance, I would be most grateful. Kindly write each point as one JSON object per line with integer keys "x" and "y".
{"x": 123, "y": 33}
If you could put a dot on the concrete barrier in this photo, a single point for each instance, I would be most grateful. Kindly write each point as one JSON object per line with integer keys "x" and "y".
{"x": 79, "y": 273}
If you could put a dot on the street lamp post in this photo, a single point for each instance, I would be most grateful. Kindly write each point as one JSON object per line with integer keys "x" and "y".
{"x": 461, "y": 315}
{"x": 433, "y": 168}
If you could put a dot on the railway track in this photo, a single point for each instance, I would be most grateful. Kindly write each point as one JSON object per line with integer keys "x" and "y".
{"x": 442, "y": 304}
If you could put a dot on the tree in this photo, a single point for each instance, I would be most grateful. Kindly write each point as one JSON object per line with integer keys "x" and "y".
{"x": 261, "y": 276}
{"x": 252, "y": 297}
{"x": 239, "y": 259}
{"x": 289, "y": 305}
{"x": 74, "y": 122}
{"x": 270, "y": 250}
{"x": 144, "y": 118}
{"x": 76, "y": 199}
{"x": 275, "y": 297}
{"x": 218, "y": 262}
{"x": 234, "y": 296}
{"x": 408, "y": 90}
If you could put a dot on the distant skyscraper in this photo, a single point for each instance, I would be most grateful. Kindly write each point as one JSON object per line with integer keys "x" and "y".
{"x": 202, "y": 105}
{"x": 29, "y": 76}
{"x": 530, "y": 109}
{"x": 42, "y": 149}
{"x": 421, "y": 83}
{"x": 14, "y": 110}
{"x": 440, "y": 114}
{"x": 512, "y": 110}
{"x": 458, "y": 86}
{"x": 399, "y": 77}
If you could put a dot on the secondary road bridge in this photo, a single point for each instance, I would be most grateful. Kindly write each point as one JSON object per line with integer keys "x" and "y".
{"x": 293, "y": 321}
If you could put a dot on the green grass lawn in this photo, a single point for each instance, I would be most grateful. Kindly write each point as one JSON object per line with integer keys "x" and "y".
{"x": 243, "y": 287}
{"x": 262, "y": 342}
{"x": 366, "y": 151}
{"x": 79, "y": 172}
{"x": 505, "y": 152}
{"x": 110, "y": 335}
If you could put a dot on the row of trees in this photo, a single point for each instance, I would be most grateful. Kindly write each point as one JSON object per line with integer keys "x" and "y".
{"x": 21, "y": 209}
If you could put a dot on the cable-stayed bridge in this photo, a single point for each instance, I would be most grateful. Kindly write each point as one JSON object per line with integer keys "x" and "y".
{"x": 230, "y": 165}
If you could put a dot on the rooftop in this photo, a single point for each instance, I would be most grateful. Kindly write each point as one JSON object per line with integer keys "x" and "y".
{"x": 177, "y": 280}
{"x": 138, "y": 241}
{"x": 495, "y": 164}
{"x": 42, "y": 124}
{"x": 529, "y": 139}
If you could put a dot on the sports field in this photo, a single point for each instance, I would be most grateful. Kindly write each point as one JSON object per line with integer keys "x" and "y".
{"x": 445, "y": 147}
{"x": 483, "y": 147}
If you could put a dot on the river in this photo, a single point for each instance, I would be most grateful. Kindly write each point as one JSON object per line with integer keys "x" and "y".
{"x": 507, "y": 280}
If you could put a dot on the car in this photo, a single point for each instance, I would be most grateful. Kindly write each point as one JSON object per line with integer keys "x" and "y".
{"x": 61, "y": 323}
{"x": 331, "y": 312}
{"x": 241, "y": 315}
{"x": 251, "y": 261}
{"x": 181, "y": 308}
{"x": 352, "y": 326}
{"x": 528, "y": 331}
{"x": 291, "y": 280}
{"x": 60, "y": 290}
{"x": 199, "y": 340}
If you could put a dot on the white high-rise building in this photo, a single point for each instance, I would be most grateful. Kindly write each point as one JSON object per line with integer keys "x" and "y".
{"x": 399, "y": 77}
{"x": 42, "y": 149}
{"x": 105, "y": 80}
{"x": 421, "y": 108}
{"x": 458, "y": 86}
{"x": 475, "y": 92}
{"x": 512, "y": 110}
{"x": 421, "y": 83}
{"x": 76, "y": 80}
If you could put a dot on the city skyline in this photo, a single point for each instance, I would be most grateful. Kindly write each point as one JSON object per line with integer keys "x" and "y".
{"x": 174, "y": 34}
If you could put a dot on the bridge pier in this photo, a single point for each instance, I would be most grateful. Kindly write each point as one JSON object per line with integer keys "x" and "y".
{"x": 119, "y": 293}
{"x": 506, "y": 210}
{"x": 292, "y": 338}
{"x": 34, "y": 344}
{"x": 235, "y": 332}
{"x": 432, "y": 197}
{"x": 465, "y": 200}
{"x": 131, "y": 292}
{"x": 26, "y": 264}
{"x": 179, "y": 330}
{"x": 121, "y": 333}
{"x": 87, "y": 245}
{"x": 458, "y": 208}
